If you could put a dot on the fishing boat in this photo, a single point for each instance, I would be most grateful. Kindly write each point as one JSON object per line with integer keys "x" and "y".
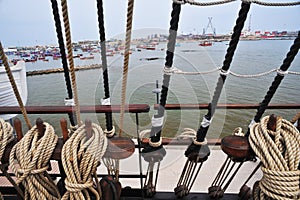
{"x": 205, "y": 43}
{"x": 92, "y": 162}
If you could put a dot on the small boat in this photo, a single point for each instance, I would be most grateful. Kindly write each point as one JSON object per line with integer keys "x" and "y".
{"x": 205, "y": 43}
{"x": 87, "y": 57}
{"x": 7, "y": 96}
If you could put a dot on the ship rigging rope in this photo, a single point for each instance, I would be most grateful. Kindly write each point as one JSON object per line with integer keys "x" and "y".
{"x": 110, "y": 130}
{"x": 63, "y": 55}
{"x": 174, "y": 70}
{"x": 242, "y": 16}
{"x": 70, "y": 57}
{"x": 126, "y": 62}
{"x": 158, "y": 119}
{"x": 192, "y": 2}
{"x": 80, "y": 158}
{"x": 14, "y": 86}
{"x": 30, "y": 158}
{"x": 263, "y": 3}
{"x": 279, "y": 152}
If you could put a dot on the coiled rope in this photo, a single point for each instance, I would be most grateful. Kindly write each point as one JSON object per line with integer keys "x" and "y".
{"x": 279, "y": 151}
{"x": 70, "y": 57}
{"x": 80, "y": 157}
{"x": 29, "y": 160}
{"x": 126, "y": 61}
{"x": 14, "y": 86}
{"x": 6, "y": 136}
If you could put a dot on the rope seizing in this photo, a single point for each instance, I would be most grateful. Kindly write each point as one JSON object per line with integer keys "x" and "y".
{"x": 279, "y": 151}
{"x": 80, "y": 158}
{"x": 30, "y": 158}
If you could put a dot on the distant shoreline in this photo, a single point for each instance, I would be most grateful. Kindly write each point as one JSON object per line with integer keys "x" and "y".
{"x": 60, "y": 70}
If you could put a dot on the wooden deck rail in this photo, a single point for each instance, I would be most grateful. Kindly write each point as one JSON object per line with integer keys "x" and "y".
{"x": 226, "y": 106}
{"x": 132, "y": 108}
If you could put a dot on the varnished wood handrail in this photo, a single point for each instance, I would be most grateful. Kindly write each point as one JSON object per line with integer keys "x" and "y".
{"x": 226, "y": 106}
{"x": 132, "y": 108}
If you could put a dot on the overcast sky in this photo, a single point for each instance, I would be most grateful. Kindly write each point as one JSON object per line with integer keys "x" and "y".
{"x": 30, "y": 22}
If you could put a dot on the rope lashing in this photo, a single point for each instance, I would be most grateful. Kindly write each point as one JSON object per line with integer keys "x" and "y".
{"x": 263, "y": 3}
{"x": 110, "y": 130}
{"x": 277, "y": 80}
{"x": 81, "y": 156}
{"x": 279, "y": 151}
{"x": 130, "y": 7}
{"x": 14, "y": 86}
{"x": 63, "y": 55}
{"x": 64, "y": 6}
{"x": 29, "y": 159}
{"x": 192, "y": 2}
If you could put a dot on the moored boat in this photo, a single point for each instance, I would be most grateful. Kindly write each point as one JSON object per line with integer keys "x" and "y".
{"x": 7, "y": 96}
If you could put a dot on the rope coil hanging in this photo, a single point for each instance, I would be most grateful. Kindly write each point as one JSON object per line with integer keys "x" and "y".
{"x": 6, "y": 136}
{"x": 30, "y": 158}
{"x": 81, "y": 156}
{"x": 279, "y": 152}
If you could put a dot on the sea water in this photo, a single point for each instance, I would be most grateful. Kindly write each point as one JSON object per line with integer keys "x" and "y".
{"x": 251, "y": 57}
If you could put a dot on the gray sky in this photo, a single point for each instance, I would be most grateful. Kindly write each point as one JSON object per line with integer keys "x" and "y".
{"x": 30, "y": 22}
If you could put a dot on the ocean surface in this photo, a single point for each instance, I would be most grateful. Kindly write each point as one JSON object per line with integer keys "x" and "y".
{"x": 251, "y": 57}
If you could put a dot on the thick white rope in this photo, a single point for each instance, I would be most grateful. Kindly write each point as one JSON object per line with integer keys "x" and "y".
{"x": 263, "y": 3}
{"x": 80, "y": 158}
{"x": 30, "y": 158}
{"x": 174, "y": 70}
{"x": 6, "y": 136}
{"x": 192, "y": 2}
{"x": 279, "y": 152}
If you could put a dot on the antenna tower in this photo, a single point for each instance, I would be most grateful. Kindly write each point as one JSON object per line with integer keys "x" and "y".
{"x": 209, "y": 25}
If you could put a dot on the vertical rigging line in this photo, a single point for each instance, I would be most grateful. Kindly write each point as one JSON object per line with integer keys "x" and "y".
{"x": 176, "y": 8}
{"x": 70, "y": 57}
{"x": 63, "y": 54}
{"x": 126, "y": 62}
{"x": 242, "y": 16}
{"x": 104, "y": 60}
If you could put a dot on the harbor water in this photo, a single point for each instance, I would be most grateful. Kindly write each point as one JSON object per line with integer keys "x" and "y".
{"x": 251, "y": 57}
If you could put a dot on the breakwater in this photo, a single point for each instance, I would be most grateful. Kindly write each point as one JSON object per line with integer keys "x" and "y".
{"x": 60, "y": 70}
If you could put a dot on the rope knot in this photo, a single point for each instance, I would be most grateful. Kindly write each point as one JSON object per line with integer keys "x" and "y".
{"x": 77, "y": 187}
